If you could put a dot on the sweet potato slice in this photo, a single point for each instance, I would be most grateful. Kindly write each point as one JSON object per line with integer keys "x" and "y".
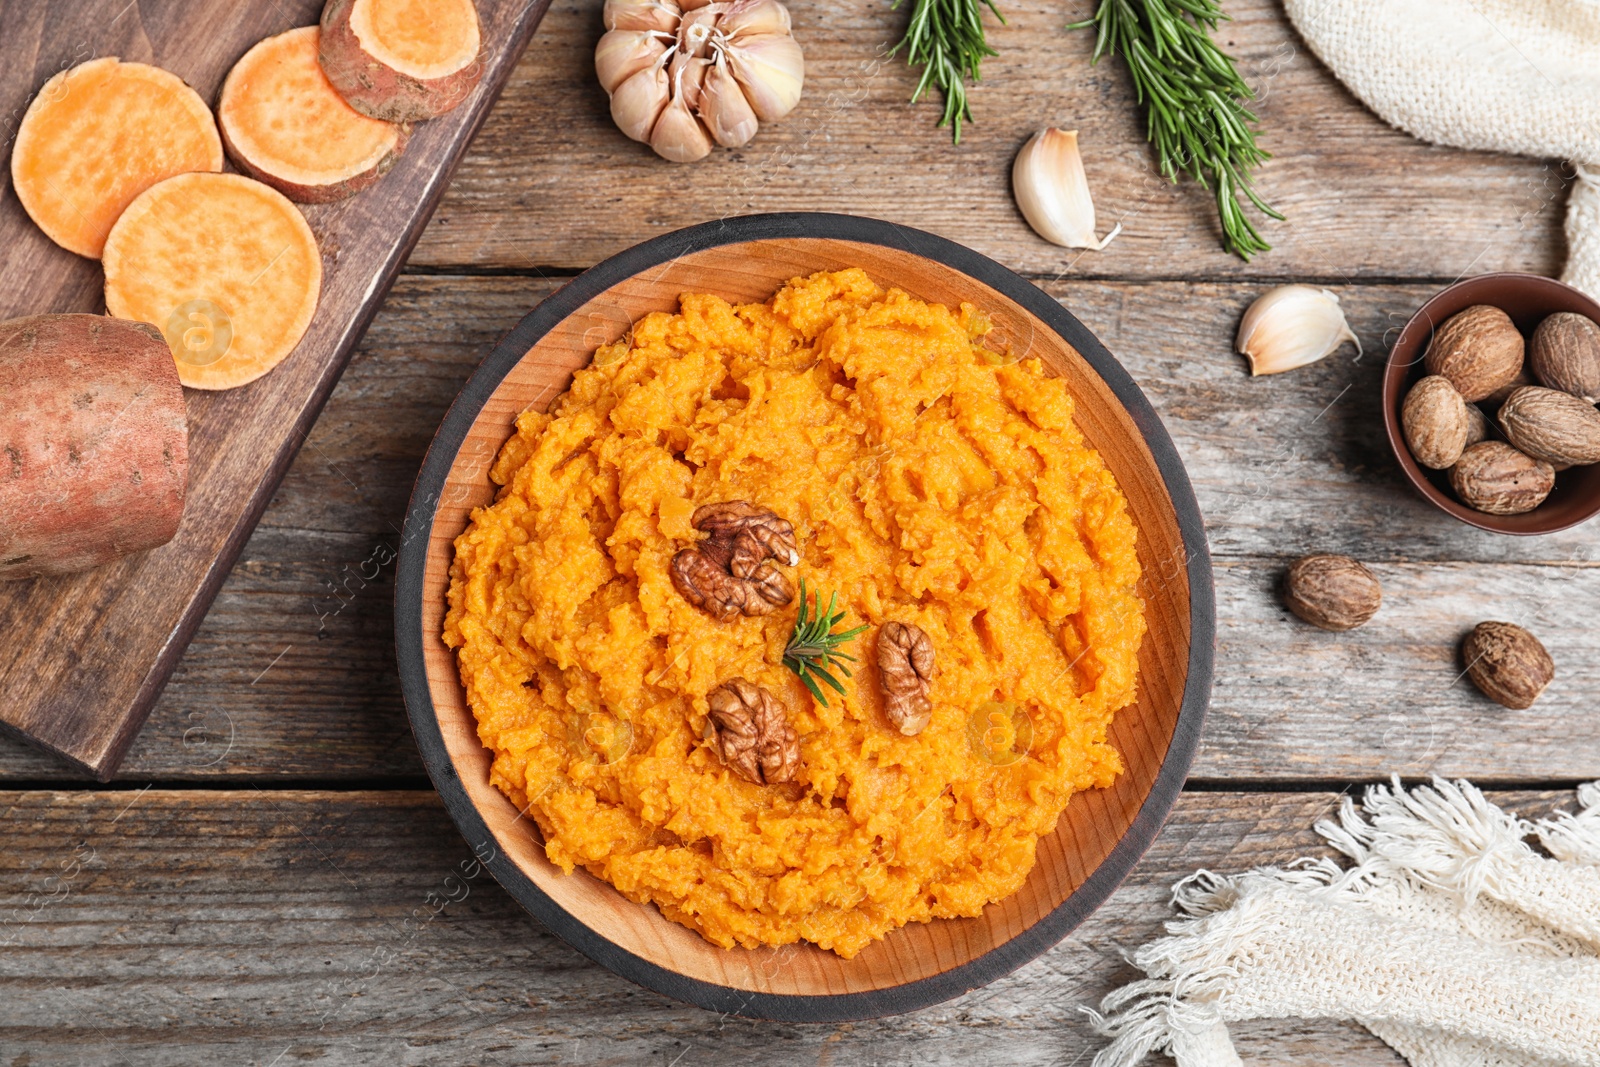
{"x": 283, "y": 124}
{"x": 94, "y": 452}
{"x": 97, "y": 136}
{"x": 402, "y": 60}
{"x": 225, "y": 266}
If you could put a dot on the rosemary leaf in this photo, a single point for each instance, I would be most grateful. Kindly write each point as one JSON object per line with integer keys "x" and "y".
{"x": 814, "y": 651}
{"x": 946, "y": 39}
{"x": 1194, "y": 101}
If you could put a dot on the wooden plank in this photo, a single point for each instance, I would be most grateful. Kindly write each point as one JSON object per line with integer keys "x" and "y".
{"x": 1282, "y": 465}
{"x": 1297, "y": 462}
{"x": 270, "y": 927}
{"x": 262, "y": 694}
{"x": 1294, "y": 702}
{"x": 292, "y": 674}
{"x": 552, "y": 183}
{"x": 88, "y": 653}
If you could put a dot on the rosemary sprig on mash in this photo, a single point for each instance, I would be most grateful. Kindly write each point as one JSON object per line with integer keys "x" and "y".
{"x": 946, "y": 39}
{"x": 814, "y": 648}
{"x": 1194, "y": 102}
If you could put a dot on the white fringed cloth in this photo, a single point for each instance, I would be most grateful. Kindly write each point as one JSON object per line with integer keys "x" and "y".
{"x": 1520, "y": 76}
{"x": 1451, "y": 937}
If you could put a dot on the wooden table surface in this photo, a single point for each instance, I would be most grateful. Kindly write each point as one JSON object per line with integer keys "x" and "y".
{"x": 236, "y": 895}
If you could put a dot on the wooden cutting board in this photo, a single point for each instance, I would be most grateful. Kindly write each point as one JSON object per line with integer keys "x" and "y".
{"x": 86, "y": 655}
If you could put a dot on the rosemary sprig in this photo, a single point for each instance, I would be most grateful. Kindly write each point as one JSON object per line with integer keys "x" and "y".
{"x": 1194, "y": 102}
{"x": 946, "y": 39}
{"x": 814, "y": 647}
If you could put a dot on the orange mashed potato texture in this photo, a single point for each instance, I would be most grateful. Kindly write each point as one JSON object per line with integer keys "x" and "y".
{"x": 929, "y": 480}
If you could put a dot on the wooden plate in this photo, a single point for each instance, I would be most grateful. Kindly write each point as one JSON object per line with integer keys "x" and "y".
{"x": 1102, "y": 833}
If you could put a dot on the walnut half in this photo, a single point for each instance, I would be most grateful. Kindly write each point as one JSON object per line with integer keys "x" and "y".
{"x": 905, "y": 669}
{"x": 732, "y": 570}
{"x": 754, "y": 737}
{"x": 741, "y": 536}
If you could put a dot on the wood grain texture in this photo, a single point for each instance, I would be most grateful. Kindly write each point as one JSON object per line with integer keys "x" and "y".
{"x": 1297, "y": 462}
{"x": 354, "y": 928}
{"x": 552, "y": 182}
{"x": 266, "y": 927}
{"x": 292, "y": 673}
{"x": 88, "y": 653}
{"x": 1093, "y": 844}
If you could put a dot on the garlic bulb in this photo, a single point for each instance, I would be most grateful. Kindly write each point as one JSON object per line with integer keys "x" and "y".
{"x": 1053, "y": 193}
{"x": 686, "y": 74}
{"x": 1291, "y": 326}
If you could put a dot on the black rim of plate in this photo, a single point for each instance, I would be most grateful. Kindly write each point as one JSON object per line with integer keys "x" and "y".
{"x": 842, "y": 1007}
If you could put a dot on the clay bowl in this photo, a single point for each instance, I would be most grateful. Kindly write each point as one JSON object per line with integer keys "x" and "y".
{"x": 1527, "y": 298}
{"x": 1098, "y": 839}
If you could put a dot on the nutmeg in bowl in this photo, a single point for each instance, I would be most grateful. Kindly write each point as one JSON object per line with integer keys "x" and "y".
{"x": 1527, "y": 300}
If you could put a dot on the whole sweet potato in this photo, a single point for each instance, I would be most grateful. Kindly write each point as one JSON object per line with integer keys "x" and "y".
{"x": 94, "y": 454}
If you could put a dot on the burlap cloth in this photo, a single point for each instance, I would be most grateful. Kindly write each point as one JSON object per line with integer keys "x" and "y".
{"x": 1450, "y": 937}
{"x": 1518, "y": 76}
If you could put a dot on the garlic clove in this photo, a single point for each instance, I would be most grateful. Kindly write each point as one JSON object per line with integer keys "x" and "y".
{"x": 1291, "y": 326}
{"x": 623, "y": 53}
{"x": 724, "y": 108}
{"x": 1052, "y": 191}
{"x": 642, "y": 15}
{"x": 688, "y": 77}
{"x": 693, "y": 5}
{"x": 752, "y": 18}
{"x": 771, "y": 70}
{"x": 678, "y": 135}
{"x": 639, "y": 101}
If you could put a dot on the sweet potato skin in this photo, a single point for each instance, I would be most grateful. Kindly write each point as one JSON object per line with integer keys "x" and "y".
{"x": 316, "y": 194}
{"x": 93, "y": 443}
{"x": 376, "y": 89}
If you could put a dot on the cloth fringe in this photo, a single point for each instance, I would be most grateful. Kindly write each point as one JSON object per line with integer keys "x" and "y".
{"x": 1450, "y": 938}
{"x": 1449, "y": 837}
{"x": 1574, "y": 838}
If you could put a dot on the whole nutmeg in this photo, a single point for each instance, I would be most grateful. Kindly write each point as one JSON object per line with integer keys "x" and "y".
{"x": 1435, "y": 421}
{"x": 1507, "y": 663}
{"x": 1565, "y": 355}
{"x": 1493, "y": 477}
{"x": 1479, "y": 350}
{"x": 1551, "y": 425}
{"x": 1332, "y": 592}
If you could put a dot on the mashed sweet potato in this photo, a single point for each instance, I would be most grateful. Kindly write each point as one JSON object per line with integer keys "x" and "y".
{"x": 929, "y": 481}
